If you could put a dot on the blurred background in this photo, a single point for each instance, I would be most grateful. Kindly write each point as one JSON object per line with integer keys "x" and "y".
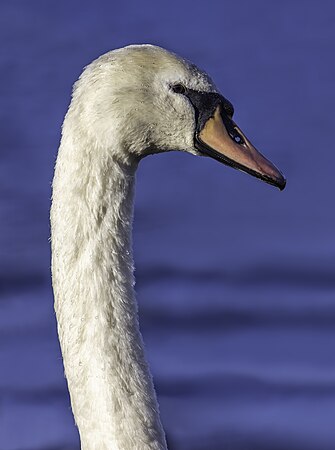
{"x": 235, "y": 280}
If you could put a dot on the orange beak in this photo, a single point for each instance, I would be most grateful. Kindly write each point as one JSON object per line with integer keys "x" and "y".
{"x": 223, "y": 140}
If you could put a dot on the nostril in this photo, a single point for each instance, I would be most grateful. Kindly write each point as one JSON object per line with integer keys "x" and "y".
{"x": 236, "y": 137}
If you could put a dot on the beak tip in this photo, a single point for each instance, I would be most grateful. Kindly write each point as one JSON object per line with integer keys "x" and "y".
{"x": 281, "y": 183}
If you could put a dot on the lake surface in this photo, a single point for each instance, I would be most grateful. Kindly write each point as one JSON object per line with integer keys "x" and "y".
{"x": 235, "y": 280}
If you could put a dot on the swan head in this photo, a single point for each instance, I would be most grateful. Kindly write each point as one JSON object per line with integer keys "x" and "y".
{"x": 142, "y": 99}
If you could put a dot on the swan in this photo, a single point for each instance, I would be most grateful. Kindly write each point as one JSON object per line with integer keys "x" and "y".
{"x": 128, "y": 103}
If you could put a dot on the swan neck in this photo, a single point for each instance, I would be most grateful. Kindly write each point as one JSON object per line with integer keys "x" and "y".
{"x": 111, "y": 389}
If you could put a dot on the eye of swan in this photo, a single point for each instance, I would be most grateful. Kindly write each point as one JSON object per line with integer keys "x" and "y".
{"x": 178, "y": 88}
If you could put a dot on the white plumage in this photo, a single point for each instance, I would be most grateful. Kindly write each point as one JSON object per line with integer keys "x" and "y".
{"x": 122, "y": 108}
{"x": 127, "y": 104}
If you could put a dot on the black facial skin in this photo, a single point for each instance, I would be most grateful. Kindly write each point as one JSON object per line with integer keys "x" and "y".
{"x": 205, "y": 104}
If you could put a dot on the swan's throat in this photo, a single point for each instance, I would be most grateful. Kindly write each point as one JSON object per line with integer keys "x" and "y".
{"x": 111, "y": 389}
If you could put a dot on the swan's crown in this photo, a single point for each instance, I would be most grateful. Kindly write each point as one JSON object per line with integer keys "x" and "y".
{"x": 125, "y": 103}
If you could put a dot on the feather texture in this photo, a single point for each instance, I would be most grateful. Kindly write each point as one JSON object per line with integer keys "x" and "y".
{"x": 122, "y": 109}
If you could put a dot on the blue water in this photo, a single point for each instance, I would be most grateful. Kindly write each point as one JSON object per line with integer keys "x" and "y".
{"x": 235, "y": 280}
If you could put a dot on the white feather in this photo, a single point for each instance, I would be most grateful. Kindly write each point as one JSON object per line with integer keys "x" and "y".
{"x": 122, "y": 108}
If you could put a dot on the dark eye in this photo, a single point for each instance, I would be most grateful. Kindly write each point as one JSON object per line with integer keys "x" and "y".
{"x": 178, "y": 88}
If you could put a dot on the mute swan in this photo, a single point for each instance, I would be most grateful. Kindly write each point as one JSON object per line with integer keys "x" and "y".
{"x": 128, "y": 103}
